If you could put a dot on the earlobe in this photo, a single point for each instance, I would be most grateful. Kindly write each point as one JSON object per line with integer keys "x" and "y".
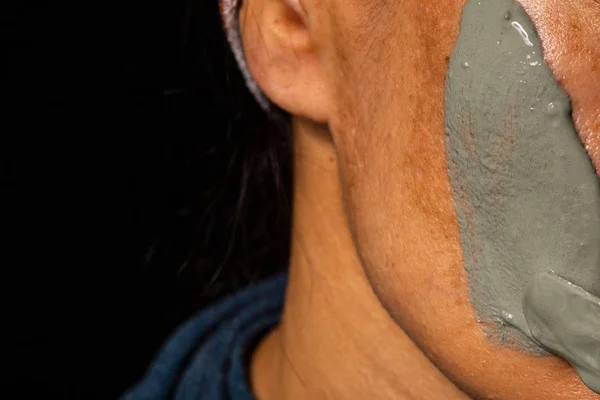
{"x": 281, "y": 54}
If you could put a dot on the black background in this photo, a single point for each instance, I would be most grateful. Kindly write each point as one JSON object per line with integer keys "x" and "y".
{"x": 127, "y": 140}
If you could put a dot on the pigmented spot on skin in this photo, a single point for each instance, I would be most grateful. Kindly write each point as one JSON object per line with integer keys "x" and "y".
{"x": 526, "y": 193}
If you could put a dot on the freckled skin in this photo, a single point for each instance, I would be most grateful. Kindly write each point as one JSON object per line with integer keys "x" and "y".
{"x": 394, "y": 177}
{"x": 385, "y": 64}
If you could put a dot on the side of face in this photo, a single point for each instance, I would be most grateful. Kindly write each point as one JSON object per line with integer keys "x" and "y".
{"x": 375, "y": 72}
{"x": 399, "y": 174}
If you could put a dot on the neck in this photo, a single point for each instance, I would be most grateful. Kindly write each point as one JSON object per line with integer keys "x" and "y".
{"x": 335, "y": 339}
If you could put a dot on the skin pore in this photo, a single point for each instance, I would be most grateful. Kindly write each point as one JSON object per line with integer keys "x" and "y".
{"x": 378, "y": 304}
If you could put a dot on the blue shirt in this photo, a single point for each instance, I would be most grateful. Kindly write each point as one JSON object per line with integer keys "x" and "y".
{"x": 207, "y": 358}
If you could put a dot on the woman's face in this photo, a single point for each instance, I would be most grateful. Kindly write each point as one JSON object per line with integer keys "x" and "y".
{"x": 380, "y": 68}
{"x": 389, "y": 68}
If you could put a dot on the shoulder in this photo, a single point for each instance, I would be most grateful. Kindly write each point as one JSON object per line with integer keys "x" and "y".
{"x": 206, "y": 357}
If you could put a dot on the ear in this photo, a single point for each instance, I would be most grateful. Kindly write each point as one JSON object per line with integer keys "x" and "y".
{"x": 281, "y": 52}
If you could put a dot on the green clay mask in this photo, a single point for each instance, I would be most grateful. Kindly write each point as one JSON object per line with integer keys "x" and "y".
{"x": 526, "y": 194}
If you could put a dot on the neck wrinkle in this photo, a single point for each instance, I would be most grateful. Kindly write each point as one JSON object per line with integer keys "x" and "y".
{"x": 335, "y": 340}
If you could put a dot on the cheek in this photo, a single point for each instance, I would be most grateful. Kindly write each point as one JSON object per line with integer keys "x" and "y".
{"x": 392, "y": 158}
{"x": 391, "y": 146}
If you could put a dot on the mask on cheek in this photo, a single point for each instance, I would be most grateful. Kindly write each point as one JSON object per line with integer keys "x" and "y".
{"x": 526, "y": 194}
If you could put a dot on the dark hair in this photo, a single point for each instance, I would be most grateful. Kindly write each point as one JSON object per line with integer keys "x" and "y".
{"x": 214, "y": 194}
{"x": 228, "y": 218}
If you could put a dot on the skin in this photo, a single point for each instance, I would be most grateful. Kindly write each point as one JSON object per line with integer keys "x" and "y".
{"x": 377, "y": 303}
